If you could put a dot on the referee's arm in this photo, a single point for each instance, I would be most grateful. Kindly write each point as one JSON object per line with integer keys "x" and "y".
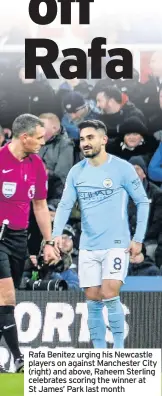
{"x": 43, "y": 219}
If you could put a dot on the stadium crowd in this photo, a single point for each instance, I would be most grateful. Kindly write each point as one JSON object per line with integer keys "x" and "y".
{"x": 132, "y": 113}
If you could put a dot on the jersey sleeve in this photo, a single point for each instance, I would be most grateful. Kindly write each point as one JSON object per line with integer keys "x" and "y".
{"x": 66, "y": 204}
{"x": 41, "y": 185}
{"x": 136, "y": 191}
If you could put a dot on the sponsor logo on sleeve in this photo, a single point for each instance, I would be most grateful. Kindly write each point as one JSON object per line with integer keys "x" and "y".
{"x": 136, "y": 183}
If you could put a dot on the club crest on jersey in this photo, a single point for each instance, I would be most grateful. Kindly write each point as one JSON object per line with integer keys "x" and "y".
{"x": 107, "y": 183}
{"x": 31, "y": 192}
{"x": 8, "y": 189}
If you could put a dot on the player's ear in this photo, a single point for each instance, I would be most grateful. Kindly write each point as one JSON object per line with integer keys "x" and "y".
{"x": 23, "y": 136}
{"x": 105, "y": 139}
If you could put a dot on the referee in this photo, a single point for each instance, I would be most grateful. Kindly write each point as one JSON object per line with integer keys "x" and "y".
{"x": 22, "y": 179}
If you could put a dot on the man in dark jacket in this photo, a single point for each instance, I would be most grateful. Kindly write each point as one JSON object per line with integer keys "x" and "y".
{"x": 58, "y": 156}
{"x": 77, "y": 110}
{"x": 143, "y": 266}
{"x": 74, "y": 85}
{"x": 19, "y": 95}
{"x": 150, "y": 90}
{"x": 153, "y": 235}
{"x": 130, "y": 87}
{"x": 114, "y": 112}
{"x": 132, "y": 140}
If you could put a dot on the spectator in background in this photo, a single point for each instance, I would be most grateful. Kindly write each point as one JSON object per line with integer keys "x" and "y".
{"x": 3, "y": 139}
{"x": 7, "y": 133}
{"x": 132, "y": 140}
{"x": 155, "y": 120}
{"x": 20, "y": 95}
{"x": 63, "y": 269}
{"x": 143, "y": 266}
{"x": 66, "y": 270}
{"x": 114, "y": 112}
{"x": 128, "y": 87}
{"x": 58, "y": 156}
{"x": 77, "y": 110}
{"x": 131, "y": 87}
{"x": 101, "y": 85}
{"x": 74, "y": 85}
{"x": 153, "y": 235}
{"x": 150, "y": 91}
{"x": 155, "y": 165}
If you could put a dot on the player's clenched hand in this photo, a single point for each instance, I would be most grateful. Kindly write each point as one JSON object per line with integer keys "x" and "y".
{"x": 134, "y": 249}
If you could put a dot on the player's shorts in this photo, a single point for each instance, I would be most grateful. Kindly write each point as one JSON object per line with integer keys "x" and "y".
{"x": 13, "y": 253}
{"x": 97, "y": 265}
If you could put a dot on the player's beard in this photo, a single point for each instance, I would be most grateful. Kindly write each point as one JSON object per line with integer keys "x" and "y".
{"x": 94, "y": 152}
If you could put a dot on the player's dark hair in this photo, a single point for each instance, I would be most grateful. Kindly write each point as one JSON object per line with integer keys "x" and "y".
{"x": 112, "y": 93}
{"x": 26, "y": 123}
{"x": 96, "y": 124}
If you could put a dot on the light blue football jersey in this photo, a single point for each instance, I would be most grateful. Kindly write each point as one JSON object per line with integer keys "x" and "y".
{"x": 103, "y": 192}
